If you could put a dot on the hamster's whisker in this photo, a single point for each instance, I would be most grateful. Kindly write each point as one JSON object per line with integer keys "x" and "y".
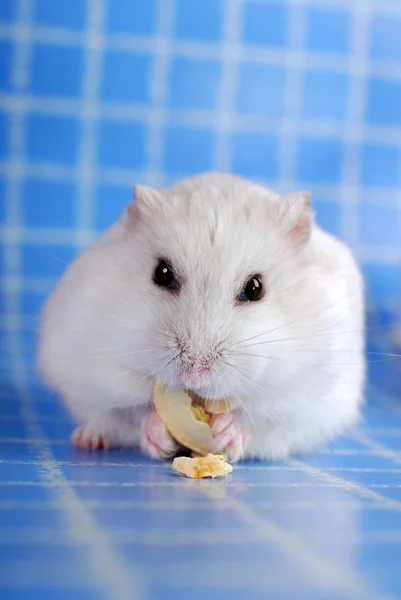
{"x": 301, "y": 337}
{"x": 297, "y": 320}
{"x": 366, "y": 353}
{"x": 135, "y": 370}
{"x": 128, "y": 322}
{"x": 244, "y": 374}
{"x": 132, "y": 352}
{"x": 172, "y": 359}
{"x": 312, "y": 365}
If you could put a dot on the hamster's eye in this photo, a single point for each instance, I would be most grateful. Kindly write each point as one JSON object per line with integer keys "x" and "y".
{"x": 252, "y": 290}
{"x": 164, "y": 276}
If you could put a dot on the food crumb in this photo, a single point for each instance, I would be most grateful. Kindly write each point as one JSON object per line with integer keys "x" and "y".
{"x": 212, "y": 465}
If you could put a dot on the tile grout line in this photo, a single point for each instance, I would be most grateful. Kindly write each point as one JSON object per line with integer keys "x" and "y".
{"x": 175, "y": 538}
{"x": 156, "y": 117}
{"x": 87, "y": 162}
{"x": 350, "y": 202}
{"x": 230, "y": 57}
{"x": 247, "y": 123}
{"x": 124, "y": 176}
{"x": 290, "y": 126}
{"x": 349, "y": 486}
{"x": 202, "y": 50}
{"x": 14, "y": 174}
{"x": 240, "y": 468}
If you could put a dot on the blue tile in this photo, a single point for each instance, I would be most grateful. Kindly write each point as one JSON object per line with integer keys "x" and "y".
{"x": 122, "y": 145}
{"x": 379, "y": 225}
{"x": 122, "y": 18}
{"x": 385, "y": 40}
{"x": 325, "y": 94}
{"x": 110, "y": 203}
{"x": 32, "y": 303}
{"x": 199, "y": 20}
{"x": 6, "y": 61}
{"x": 384, "y": 102}
{"x": 126, "y": 77}
{"x": 260, "y": 90}
{"x": 383, "y": 281}
{"x": 380, "y": 165}
{"x": 328, "y": 29}
{"x": 12, "y": 429}
{"x": 3, "y": 192}
{"x": 48, "y": 592}
{"x": 319, "y": 161}
{"x": 193, "y": 84}
{"x": 47, "y": 203}
{"x": 8, "y": 11}
{"x": 188, "y": 150}
{"x": 4, "y": 134}
{"x": 69, "y": 15}
{"x": 52, "y": 138}
{"x": 3, "y": 265}
{"x": 255, "y": 155}
{"x": 45, "y": 261}
{"x": 265, "y": 23}
{"x": 56, "y": 70}
{"x": 170, "y": 520}
{"x": 328, "y": 215}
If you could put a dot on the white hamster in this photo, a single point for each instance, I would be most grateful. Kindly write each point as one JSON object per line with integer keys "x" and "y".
{"x": 218, "y": 285}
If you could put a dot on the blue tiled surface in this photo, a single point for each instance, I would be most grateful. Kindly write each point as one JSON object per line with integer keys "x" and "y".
{"x": 115, "y": 525}
{"x": 98, "y": 94}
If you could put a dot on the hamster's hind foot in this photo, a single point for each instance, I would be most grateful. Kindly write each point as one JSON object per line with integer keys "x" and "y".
{"x": 88, "y": 438}
{"x": 155, "y": 440}
{"x": 116, "y": 428}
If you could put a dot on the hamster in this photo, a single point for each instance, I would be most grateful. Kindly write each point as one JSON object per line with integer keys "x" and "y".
{"x": 220, "y": 286}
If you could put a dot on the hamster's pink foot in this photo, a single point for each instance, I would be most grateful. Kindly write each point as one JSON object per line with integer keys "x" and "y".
{"x": 230, "y": 435}
{"x": 86, "y": 437}
{"x": 155, "y": 440}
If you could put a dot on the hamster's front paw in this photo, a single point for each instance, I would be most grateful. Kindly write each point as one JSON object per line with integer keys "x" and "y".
{"x": 230, "y": 435}
{"x": 155, "y": 440}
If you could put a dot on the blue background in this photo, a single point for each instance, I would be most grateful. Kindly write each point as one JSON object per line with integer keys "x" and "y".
{"x": 96, "y": 95}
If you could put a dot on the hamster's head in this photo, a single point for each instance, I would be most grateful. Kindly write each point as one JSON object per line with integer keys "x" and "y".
{"x": 217, "y": 265}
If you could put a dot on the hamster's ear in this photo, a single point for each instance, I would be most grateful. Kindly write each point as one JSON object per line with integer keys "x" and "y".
{"x": 296, "y": 215}
{"x": 145, "y": 200}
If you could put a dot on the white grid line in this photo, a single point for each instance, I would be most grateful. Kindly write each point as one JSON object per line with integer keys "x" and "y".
{"x": 377, "y": 451}
{"x": 376, "y": 196}
{"x": 331, "y": 482}
{"x": 295, "y": 67}
{"x": 13, "y": 203}
{"x": 316, "y": 127}
{"x": 161, "y": 49}
{"x": 230, "y": 53}
{"x": 87, "y": 159}
{"x": 206, "y": 537}
{"x": 208, "y": 51}
{"x": 178, "y": 506}
{"x": 346, "y": 485}
{"x": 350, "y": 207}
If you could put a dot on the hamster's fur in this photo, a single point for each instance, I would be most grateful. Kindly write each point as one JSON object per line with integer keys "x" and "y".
{"x": 292, "y": 362}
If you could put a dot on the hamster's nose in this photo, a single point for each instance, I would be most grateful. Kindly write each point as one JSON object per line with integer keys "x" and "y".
{"x": 194, "y": 370}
